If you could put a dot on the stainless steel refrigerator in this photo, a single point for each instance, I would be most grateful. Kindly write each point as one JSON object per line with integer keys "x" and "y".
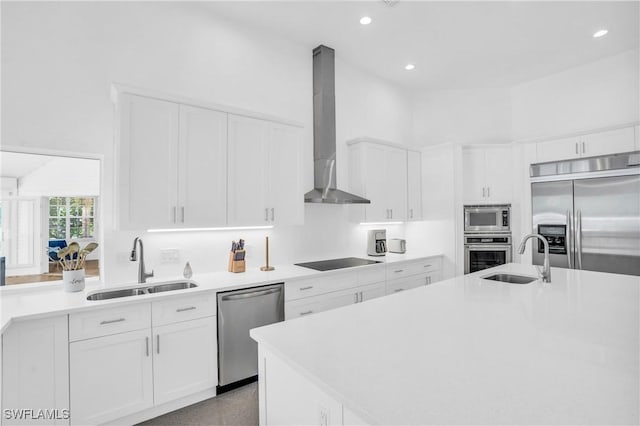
{"x": 589, "y": 212}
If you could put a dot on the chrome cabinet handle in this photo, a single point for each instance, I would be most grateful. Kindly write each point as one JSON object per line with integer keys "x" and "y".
{"x": 273, "y": 214}
{"x": 488, "y": 192}
{"x": 266, "y": 215}
{"x": 579, "y": 239}
{"x": 391, "y": 210}
{"x": 428, "y": 279}
{"x": 112, "y": 321}
{"x": 306, "y": 312}
{"x": 182, "y": 214}
{"x": 567, "y": 238}
{"x": 410, "y": 213}
{"x": 306, "y": 288}
{"x": 484, "y": 192}
{"x": 427, "y": 266}
{"x": 398, "y": 290}
{"x": 157, "y": 343}
{"x": 190, "y": 308}
{"x": 174, "y": 214}
{"x": 355, "y": 295}
{"x": 147, "y": 344}
{"x": 397, "y": 271}
{"x": 584, "y": 147}
{"x": 577, "y": 148}
{"x": 361, "y": 297}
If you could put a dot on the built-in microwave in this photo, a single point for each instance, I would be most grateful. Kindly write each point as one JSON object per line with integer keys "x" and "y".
{"x": 487, "y": 218}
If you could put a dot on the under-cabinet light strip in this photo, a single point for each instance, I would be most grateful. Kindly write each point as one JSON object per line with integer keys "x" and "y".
{"x": 226, "y": 228}
{"x": 381, "y": 223}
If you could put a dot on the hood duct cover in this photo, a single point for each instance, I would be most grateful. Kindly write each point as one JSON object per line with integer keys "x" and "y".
{"x": 324, "y": 133}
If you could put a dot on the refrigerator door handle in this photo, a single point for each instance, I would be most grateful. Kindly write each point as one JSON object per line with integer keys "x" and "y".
{"x": 568, "y": 236}
{"x": 579, "y": 239}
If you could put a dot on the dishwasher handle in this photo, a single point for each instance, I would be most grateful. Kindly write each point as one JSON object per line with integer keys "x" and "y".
{"x": 250, "y": 294}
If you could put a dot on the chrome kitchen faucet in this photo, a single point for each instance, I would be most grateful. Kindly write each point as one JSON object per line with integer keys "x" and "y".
{"x": 142, "y": 274}
{"x": 546, "y": 271}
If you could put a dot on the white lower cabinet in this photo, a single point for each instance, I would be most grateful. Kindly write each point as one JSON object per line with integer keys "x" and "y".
{"x": 35, "y": 372}
{"x": 111, "y": 377}
{"x": 184, "y": 359}
{"x": 312, "y": 295}
{"x": 140, "y": 366}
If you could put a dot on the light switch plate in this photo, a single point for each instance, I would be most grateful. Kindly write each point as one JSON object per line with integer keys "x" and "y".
{"x": 169, "y": 255}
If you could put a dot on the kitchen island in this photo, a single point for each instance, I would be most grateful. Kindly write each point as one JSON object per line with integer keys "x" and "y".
{"x": 463, "y": 351}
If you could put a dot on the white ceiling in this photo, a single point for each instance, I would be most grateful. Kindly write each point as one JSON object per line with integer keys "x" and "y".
{"x": 454, "y": 44}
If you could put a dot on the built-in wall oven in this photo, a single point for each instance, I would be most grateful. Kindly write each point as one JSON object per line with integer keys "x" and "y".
{"x": 487, "y": 218}
{"x": 487, "y": 236}
{"x": 482, "y": 251}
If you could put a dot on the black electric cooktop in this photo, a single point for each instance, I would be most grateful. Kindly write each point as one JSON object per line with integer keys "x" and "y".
{"x": 345, "y": 262}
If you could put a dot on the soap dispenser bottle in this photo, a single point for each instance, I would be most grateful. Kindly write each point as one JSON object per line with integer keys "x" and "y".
{"x": 187, "y": 273}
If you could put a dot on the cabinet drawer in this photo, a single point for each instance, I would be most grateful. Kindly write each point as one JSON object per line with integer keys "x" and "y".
{"x": 414, "y": 267}
{"x": 403, "y": 284}
{"x": 371, "y": 274}
{"x": 302, "y": 307}
{"x": 183, "y": 308}
{"x": 104, "y": 322}
{"x": 319, "y": 285}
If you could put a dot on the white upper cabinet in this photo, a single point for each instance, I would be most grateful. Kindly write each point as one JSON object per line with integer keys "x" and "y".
{"x": 172, "y": 164}
{"x": 414, "y": 185}
{"x": 487, "y": 174}
{"x": 147, "y": 186}
{"x": 264, "y": 173}
{"x": 593, "y": 144}
{"x": 378, "y": 172}
{"x": 202, "y": 167}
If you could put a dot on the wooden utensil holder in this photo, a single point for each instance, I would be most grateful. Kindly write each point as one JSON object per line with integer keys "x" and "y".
{"x": 237, "y": 265}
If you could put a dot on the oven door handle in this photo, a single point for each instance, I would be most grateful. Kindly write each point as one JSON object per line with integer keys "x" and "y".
{"x": 488, "y": 247}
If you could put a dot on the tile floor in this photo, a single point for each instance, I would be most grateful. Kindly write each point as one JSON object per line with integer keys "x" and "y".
{"x": 238, "y": 407}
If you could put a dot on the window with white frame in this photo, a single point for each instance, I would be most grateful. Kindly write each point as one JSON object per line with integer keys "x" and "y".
{"x": 72, "y": 217}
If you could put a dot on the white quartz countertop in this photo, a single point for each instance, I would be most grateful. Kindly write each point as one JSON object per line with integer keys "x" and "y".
{"x": 474, "y": 351}
{"x": 49, "y": 299}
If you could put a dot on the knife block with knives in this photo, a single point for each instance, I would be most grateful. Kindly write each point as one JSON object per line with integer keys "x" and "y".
{"x": 237, "y": 257}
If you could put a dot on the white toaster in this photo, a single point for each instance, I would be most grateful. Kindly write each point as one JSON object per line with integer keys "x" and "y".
{"x": 397, "y": 245}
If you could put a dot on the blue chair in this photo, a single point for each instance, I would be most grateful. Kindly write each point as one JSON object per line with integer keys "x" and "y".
{"x": 54, "y": 247}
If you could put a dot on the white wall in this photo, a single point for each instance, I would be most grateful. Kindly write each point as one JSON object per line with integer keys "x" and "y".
{"x": 461, "y": 116}
{"x": 62, "y": 177}
{"x": 59, "y": 60}
{"x": 600, "y": 94}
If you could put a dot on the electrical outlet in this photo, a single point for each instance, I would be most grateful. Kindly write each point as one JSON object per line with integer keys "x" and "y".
{"x": 169, "y": 256}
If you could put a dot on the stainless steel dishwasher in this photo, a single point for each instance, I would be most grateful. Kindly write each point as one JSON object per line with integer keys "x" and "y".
{"x": 238, "y": 312}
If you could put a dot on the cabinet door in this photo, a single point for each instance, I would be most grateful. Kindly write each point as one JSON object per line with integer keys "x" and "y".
{"x": 609, "y": 142}
{"x": 184, "y": 359}
{"x": 404, "y": 284}
{"x": 414, "y": 185}
{"x": 147, "y": 186}
{"x": 285, "y": 193}
{"x": 374, "y": 167}
{"x": 35, "y": 368}
{"x": 498, "y": 174}
{"x": 396, "y": 183}
{"x": 110, "y": 377}
{"x": 558, "y": 149}
{"x": 202, "y": 160}
{"x": 473, "y": 175}
{"x": 247, "y": 177}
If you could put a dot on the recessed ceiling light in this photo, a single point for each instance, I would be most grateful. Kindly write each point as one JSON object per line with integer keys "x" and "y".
{"x": 409, "y": 67}
{"x": 600, "y": 33}
{"x": 365, "y": 20}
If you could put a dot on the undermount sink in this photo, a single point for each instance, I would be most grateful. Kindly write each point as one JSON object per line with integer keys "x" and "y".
{"x": 510, "y": 278}
{"x": 137, "y": 291}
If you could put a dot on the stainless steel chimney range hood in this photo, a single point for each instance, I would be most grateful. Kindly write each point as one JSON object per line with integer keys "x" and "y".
{"x": 324, "y": 133}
